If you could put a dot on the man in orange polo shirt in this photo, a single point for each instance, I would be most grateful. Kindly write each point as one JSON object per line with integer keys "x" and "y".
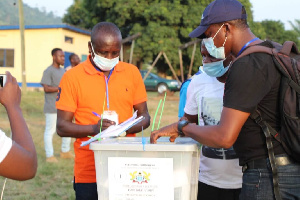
{"x": 101, "y": 82}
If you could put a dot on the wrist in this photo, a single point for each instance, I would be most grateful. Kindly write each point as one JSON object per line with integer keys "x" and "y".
{"x": 96, "y": 130}
{"x": 180, "y": 126}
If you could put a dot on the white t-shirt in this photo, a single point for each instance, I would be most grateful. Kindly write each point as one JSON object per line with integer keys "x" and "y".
{"x": 5, "y": 145}
{"x": 218, "y": 167}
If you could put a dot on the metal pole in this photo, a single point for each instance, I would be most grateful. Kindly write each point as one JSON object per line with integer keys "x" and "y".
{"x": 181, "y": 65}
{"x": 172, "y": 69}
{"x": 192, "y": 61}
{"x": 121, "y": 53}
{"x": 153, "y": 64}
{"x": 131, "y": 51}
{"x": 21, "y": 24}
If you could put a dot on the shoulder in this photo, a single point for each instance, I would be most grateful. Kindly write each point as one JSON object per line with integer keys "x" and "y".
{"x": 48, "y": 69}
{"x": 128, "y": 69}
{"x": 203, "y": 78}
{"x": 128, "y": 66}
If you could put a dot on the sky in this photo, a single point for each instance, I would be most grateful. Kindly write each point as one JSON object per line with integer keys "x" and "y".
{"x": 287, "y": 10}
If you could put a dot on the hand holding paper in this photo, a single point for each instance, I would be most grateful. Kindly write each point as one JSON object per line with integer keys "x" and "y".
{"x": 116, "y": 130}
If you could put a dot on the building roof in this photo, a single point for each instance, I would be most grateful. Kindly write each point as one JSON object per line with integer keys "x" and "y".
{"x": 63, "y": 26}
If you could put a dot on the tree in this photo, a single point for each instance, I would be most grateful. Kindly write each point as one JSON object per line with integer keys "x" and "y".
{"x": 275, "y": 31}
{"x": 164, "y": 24}
{"x": 9, "y": 15}
{"x": 296, "y": 26}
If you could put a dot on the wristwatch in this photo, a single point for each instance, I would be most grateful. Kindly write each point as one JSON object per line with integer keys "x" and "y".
{"x": 180, "y": 125}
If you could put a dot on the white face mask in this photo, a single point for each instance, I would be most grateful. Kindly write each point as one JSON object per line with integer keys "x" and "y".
{"x": 103, "y": 63}
{"x": 215, "y": 69}
{"x": 217, "y": 52}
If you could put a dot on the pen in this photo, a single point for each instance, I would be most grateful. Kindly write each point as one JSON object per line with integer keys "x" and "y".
{"x": 96, "y": 114}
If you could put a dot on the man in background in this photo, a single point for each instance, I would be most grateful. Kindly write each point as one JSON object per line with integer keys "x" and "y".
{"x": 50, "y": 81}
{"x": 74, "y": 60}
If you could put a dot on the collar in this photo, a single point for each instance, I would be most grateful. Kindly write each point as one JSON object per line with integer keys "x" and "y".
{"x": 90, "y": 68}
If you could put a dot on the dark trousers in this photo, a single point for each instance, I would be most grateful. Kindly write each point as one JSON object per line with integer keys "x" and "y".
{"x": 84, "y": 191}
{"x": 207, "y": 192}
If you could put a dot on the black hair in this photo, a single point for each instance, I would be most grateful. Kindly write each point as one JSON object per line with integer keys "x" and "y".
{"x": 105, "y": 28}
{"x": 71, "y": 56}
{"x": 55, "y": 50}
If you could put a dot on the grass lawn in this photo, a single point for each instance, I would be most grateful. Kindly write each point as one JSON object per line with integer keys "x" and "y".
{"x": 54, "y": 181}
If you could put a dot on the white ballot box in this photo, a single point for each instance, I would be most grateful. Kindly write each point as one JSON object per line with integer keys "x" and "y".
{"x": 126, "y": 169}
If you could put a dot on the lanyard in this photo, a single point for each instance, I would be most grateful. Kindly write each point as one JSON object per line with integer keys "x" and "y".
{"x": 246, "y": 46}
{"x": 106, "y": 84}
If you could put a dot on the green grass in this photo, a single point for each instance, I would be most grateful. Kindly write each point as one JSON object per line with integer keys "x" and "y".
{"x": 54, "y": 181}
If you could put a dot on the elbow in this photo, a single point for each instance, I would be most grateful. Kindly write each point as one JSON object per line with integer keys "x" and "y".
{"x": 59, "y": 130}
{"x": 29, "y": 170}
{"x": 226, "y": 142}
{"x": 147, "y": 121}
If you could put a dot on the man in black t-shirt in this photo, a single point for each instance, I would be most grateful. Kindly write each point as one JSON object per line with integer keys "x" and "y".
{"x": 253, "y": 82}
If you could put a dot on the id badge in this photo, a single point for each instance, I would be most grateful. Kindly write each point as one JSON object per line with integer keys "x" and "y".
{"x": 111, "y": 115}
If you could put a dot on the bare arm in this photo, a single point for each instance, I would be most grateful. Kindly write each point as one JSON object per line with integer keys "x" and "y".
{"x": 66, "y": 128}
{"x": 142, "y": 111}
{"x": 21, "y": 161}
{"x": 220, "y": 136}
{"x": 49, "y": 89}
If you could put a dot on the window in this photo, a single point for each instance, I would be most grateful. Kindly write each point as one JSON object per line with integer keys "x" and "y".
{"x": 6, "y": 58}
{"x": 83, "y": 57}
{"x": 68, "y": 39}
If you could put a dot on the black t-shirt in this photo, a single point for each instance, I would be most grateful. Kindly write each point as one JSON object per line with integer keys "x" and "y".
{"x": 253, "y": 80}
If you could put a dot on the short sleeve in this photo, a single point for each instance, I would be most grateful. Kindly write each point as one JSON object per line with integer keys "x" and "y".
{"x": 140, "y": 94}
{"x": 5, "y": 145}
{"x": 193, "y": 99}
{"x": 247, "y": 82}
{"x": 191, "y": 106}
{"x": 46, "y": 79}
{"x": 182, "y": 98}
{"x": 67, "y": 96}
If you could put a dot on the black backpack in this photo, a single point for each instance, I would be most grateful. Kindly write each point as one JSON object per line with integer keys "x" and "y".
{"x": 286, "y": 58}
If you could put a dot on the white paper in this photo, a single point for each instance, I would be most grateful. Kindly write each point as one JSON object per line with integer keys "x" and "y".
{"x": 116, "y": 130}
{"x": 137, "y": 178}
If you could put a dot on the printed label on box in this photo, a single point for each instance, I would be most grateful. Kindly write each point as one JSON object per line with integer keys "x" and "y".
{"x": 140, "y": 178}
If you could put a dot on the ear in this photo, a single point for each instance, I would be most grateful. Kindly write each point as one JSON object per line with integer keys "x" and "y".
{"x": 90, "y": 48}
{"x": 228, "y": 28}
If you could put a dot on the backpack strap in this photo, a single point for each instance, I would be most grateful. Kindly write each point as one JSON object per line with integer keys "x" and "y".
{"x": 268, "y": 131}
{"x": 288, "y": 47}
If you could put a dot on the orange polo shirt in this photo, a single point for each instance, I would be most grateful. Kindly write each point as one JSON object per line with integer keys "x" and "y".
{"x": 83, "y": 90}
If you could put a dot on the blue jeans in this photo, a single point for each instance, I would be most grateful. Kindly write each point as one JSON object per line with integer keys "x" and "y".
{"x": 258, "y": 183}
{"x": 50, "y": 129}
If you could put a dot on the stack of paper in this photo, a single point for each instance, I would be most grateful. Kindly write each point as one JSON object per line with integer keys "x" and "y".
{"x": 116, "y": 130}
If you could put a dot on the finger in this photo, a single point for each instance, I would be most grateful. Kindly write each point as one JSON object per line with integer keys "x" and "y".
{"x": 107, "y": 121}
{"x": 172, "y": 138}
{"x": 8, "y": 76}
{"x": 154, "y": 137}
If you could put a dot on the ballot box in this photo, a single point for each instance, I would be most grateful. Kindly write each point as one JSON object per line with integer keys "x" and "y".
{"x": 130, "y": 168}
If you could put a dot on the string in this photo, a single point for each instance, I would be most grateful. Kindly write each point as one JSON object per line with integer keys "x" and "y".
{"x": 162, "y": 109}
{"x": 155, "y": 115}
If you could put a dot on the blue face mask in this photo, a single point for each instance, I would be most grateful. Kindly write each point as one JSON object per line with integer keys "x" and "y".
{"x": 217, "y": 52}
{"x": 215, "y": 69}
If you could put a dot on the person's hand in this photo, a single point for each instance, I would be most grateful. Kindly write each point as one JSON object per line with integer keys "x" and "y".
{"x": 170, "y": 130}
{"x": 10, "y": 94}
{"x": 105, "y": 124}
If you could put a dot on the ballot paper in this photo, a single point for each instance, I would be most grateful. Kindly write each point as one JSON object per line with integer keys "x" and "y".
{"x": 115, "y": 130}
